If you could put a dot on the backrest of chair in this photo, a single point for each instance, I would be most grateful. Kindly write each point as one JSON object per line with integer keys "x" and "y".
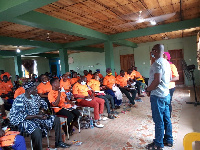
{"x": 189, "y": 138}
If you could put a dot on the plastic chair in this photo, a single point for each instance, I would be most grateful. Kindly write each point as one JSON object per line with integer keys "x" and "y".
{"x": 189, "y": 138}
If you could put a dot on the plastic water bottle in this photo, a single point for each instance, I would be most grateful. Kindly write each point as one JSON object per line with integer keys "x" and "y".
{"x": 91, "y": 123}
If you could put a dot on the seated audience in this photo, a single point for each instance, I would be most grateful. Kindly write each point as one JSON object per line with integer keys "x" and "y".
{"x": 80, "y": 92}
{"x": 109, "y": 83}
{"x": 94, "y": 84}
{"x": 65, "y": 82}
{"x": 9, "y": 138}
{"x": 59, "y": 99}
{"x": 121, "y": 81}
{"x": 28, "y": 113}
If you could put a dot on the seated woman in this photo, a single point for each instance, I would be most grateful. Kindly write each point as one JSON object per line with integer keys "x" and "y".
{"x": 80, "y": 92}
{"x": 59, "y": 99}
{"x": 74, "y": 78}
{"x": 9, "y": 138}
{"x": 94, "y": 84}
{"x": 65, "y": 83}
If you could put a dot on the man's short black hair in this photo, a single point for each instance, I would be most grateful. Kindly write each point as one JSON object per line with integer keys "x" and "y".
{"x": 53, "y": 80}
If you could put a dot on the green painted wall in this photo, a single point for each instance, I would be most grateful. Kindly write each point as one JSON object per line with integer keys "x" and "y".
{"x": 188, "y": 44}
{"x": 84, "y": 60}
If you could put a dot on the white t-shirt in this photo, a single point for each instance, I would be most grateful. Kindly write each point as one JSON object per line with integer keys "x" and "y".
{"x": 161, "y": 66}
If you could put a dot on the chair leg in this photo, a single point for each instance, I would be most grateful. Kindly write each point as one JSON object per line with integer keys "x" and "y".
{"x": 67, "y": 130}
{"x": 48, "y": 139}
{"x": 31, "y": 145}
{"x": 89, "y": 111}
{"x": 79, "y": 126}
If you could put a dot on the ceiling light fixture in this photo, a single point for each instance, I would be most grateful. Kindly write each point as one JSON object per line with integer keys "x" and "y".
{"x": 18, "y": 50}
{"x": 153, "y": 22}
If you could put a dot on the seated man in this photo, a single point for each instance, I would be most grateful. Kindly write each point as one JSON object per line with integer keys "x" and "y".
{"x": 87, "y": 75}
{"x": 44, "y": 88}
{"x": 138, "y": 79}
{"x": 59, "y": 99}
{"x": 94, "y": 84}
{"x": 121, "y": 81}
{"x": 100, "y": 75}
{"x": 65, "y": 83}
{"x": 9, "y": 138}
{"x": 27, "y": 113}
{"x": 74, "y": 78}
{"x": 7, "y": 74}
{"x": 6, "y": 87}
{"x": 133, "y": 77}
{"x": 109, "y": 82}
{"x": 80, "y": 91}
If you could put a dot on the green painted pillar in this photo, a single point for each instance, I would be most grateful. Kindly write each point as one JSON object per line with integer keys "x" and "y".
{"x": 18, "y": 65}
{"x": 109, "y": 56}
{"x": 64, "y": 60}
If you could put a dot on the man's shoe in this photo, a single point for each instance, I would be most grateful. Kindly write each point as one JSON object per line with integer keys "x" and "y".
{"x": 98, "y": 125}
{"x": 62, "y": 145}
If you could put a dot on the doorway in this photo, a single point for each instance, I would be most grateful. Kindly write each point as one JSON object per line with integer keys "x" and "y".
{"x": 126, "y": 61}
{"x": 176, "y": 59}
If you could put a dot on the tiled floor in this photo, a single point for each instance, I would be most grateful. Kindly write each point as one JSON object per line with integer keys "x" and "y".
{"x": 135, "y": 129}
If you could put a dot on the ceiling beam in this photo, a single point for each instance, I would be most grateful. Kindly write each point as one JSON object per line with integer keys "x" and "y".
{"x": 81, "y": 43}
{"x": 44, "y": 55}
{"x": 43, "y": 21}
{"x": 88, "y": 49}
{"x": 7, "y": 53}
{"x": 36, "y": 51}
{"x": 126, "y": 43}
{"x": 157, "y": 29}
{"x": 27, "y": 43}
{"x": 13, "y": 8}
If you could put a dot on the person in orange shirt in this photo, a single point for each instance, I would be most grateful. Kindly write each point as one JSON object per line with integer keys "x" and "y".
{"x": 109, "y": 81}
{"x": 175, "y": 77}
{"x": 94, "y": 84}
{"x": 44, "y": 88}
{"x": 136, "y": 75}
{"x": 121, "y": 81}
{"x": 74, "y": 78}
{"x": 65, "y": 82}
{"x": 5, "y": 73}
{"x": 87, "y": 75}
{"x": 59, "y": 99}
{"x": 100, "y": 75}
{"x": 81, "y": 93}
{"x": 6, "y": 87}
{"x": 19, "y": 91}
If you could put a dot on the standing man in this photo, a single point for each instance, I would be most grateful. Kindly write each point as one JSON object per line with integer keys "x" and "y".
{"x": 158, "y": 90}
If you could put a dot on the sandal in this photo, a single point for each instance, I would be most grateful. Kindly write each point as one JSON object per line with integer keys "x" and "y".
{"x": 152, "y": 146}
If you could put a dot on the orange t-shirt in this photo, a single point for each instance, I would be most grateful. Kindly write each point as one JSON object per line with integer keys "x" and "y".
{"x": 19, "y": 91}
{"x": 80, "y": 89}
{"x": 109, "y": 81}
{"x": 133, "y": 74}
{"x": 6, "y": 87}
{"x": 52, "y": 96}
{"x": 5, "y": 73}
{"x": 122, "y": 81}
{"x": 66, "y": 85}
{"x": 74, "y": 80}
{"x": 100, "y": 75}
{"x": 174, "y": 74}
{"x": 138, "y": 75}
{"x": 115, "y": 74}
{"x": 89, "y": 77}
{"x": 44, "y": 88}
{"x": 94, "y": 84}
